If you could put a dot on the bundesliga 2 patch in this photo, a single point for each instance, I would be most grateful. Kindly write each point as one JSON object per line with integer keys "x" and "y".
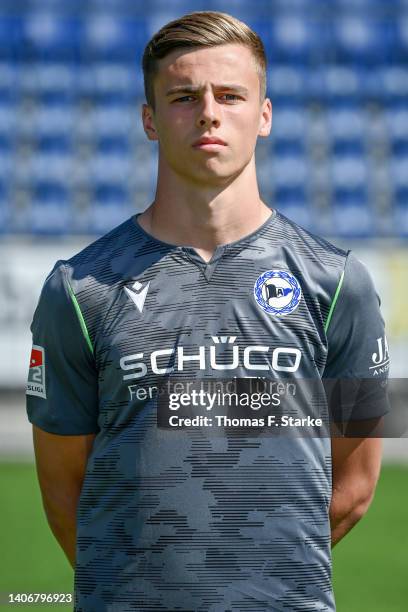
{"x": 277, "y": 292}
{"x": 36, "y": 373}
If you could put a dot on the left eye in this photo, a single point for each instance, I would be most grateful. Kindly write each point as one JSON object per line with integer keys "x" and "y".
{"x": 183, "y": 98}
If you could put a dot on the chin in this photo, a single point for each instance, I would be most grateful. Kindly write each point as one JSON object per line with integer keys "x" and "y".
{"x": 211, "y": 173}
{"x": 219, "y": 171}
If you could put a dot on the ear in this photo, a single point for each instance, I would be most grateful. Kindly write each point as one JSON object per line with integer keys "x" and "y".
{"x": 265, "y": 123}
{"x": 148, "y": 122}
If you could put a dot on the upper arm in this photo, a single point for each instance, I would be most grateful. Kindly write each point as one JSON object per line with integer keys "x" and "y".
{"x": 61, "y": 462}
{"x": 62, "y": 389}
{"x": 357, "y": 361}
{"x": 358, "y": 399}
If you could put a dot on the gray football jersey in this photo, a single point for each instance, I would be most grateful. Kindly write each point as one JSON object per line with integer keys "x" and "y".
{"x": 176, "y": 518}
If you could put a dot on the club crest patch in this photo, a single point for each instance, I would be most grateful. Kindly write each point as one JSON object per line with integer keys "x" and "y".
{"x": 277, "y": 292}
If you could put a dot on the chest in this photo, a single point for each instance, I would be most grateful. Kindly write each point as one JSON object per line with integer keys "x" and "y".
{"x": 246, "y": 318}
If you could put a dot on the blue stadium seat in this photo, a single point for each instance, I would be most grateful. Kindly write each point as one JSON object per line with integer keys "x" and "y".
{"x": 349, "y": 171}
{"x": 398, "y": 168}
{"x": 59, "y": 168}
{"x": 5, "y": 209}
{"x": 110, "y": 206}
{"x": 8, "y": 120}
{"x": 110, "y": 82}
{"x": 108, "y": 193}
{"x": 144, "y": 169}
{"x": 346, "y": 122}
{"x": 179, "y": 7}
{"x": 111, "y": 166}
{"x": 107, "y": 120}
{"x": 294, "y": 204}
{"x": 351, "y": 214}
{"x": 8, "y": 82}
{"x": 289, "y": 123}
{"x": 296, "y": 37}
{"x": 6, "y": 160}
{"x": 52, "y": 160}
{"x": 362, "y": 38}
{"x": 397, "y": 125}
{"x": 11, "y": 37}
{"x": 110, "y": 38}
{"x": 357, "y": 5}
{"x": 335, "y": 82}
{"x": 46, "y": 119}
{"x": 289, "y": 170}
{"x": 286, "y": 82}
{"x": 401, "y": 36}
{"x": 113, "y": 145}
{"x": 388, "y": 83}
{"x": 102, "y": 218}
{"x": 50, "y": 210}
{"x": 400, "y": 147}
{"x": 49, "y": 82}
{"x": 347, "y": 148}
{"x": 50, "y": 36}
{"x": 238, "y": 8}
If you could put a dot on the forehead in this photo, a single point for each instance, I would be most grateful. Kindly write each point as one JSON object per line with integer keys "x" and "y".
{"x": 224, "y": 63}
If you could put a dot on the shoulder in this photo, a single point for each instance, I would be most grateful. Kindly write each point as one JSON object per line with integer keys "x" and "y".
{"x": 318, "y": 263}
{"x": 85, "y": 281}
{"x": 96, "y": 274}
{"x": 356, "y": 290}
{"x": 309, "y": 245}
{"x": 357, "y": 279}
{"x": 92, "y": 265}
{"x": 98, "y": 257}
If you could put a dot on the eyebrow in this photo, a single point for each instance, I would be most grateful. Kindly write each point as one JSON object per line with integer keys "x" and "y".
{"x": 192, "y": 89}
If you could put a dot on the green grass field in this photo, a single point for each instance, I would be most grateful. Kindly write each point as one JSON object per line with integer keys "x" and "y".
{"x": 370, "y": 564}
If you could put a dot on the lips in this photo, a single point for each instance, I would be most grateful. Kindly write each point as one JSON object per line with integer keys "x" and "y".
{"x": 208, "y": 141}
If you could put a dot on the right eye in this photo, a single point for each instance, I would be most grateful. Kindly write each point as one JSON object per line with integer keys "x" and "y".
{"x": 183, "y": 98}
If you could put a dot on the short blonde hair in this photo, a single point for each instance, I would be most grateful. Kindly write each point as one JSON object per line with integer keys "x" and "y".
{"x": 200, "y": 29}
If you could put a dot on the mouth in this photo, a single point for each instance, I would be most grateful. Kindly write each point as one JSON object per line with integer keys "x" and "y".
{"x": 210, "y": 144}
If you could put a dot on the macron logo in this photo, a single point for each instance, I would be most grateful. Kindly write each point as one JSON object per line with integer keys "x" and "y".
{"x": 137, "y": 294}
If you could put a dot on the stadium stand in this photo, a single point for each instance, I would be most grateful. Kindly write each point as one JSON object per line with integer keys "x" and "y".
{"x": 74, "y": 157}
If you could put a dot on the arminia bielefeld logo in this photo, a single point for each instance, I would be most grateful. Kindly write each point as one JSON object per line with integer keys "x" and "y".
{"x": 36, "y": 373}
{"x": 277, "y": 292}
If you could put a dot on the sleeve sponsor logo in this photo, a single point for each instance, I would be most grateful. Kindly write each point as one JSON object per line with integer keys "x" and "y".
{"x": 381, "y": 358}
{"x": 36, "y": 373}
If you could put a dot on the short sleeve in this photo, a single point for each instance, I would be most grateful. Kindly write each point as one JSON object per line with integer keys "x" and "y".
{"x": 62, "y": 389}
{"x": 358, "y": 357}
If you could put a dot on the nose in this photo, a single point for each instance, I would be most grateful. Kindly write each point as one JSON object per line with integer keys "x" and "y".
{"x": 209, "y": 113}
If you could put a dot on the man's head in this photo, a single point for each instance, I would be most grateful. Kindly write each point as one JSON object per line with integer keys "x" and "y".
{"x": 205, "y": 78}
{"x": 200, "y": 29}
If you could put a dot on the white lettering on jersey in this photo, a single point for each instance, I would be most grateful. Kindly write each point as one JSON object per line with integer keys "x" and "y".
{"x": 381, "y": 358}
{"x": 280, "y": 359}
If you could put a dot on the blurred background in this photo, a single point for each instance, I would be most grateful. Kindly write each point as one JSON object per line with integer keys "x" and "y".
{"x": 75, "y": 162}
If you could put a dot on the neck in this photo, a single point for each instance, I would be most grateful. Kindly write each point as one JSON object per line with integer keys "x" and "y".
{"x": 204, "y": 216}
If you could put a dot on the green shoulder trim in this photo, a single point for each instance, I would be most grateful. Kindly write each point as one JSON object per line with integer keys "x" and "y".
{"x": 334, "y": 302}
{"x": 80, "y": 318}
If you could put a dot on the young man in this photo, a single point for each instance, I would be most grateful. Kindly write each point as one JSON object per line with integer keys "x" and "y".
{"x": 208, "y": 282}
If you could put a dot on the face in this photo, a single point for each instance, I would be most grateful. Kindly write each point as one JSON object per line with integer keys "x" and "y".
{"x": 207, "y": 93}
